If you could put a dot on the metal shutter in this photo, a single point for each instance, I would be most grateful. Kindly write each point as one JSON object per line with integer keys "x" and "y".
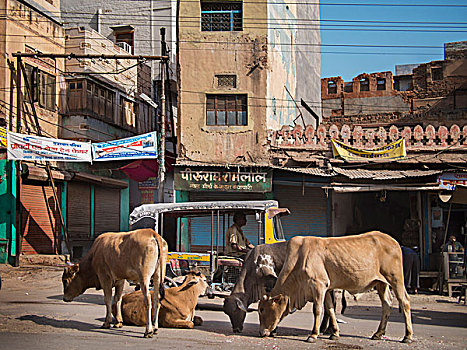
{"x": 79, "y": 211}
{"x": 308, "y": 212}
{"x": 106, "y": 210}
{"x": 200, "y": 228}
{"x": 40, "y": 220}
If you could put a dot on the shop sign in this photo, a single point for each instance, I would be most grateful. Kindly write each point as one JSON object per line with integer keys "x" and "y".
{"x": 222, "y": 181}
{"x": 136, "y": 147}
{"x": 395, "y": 150}
{"x": 151, "y": 183}
{"x": 449, "y": 181}
{"x": 28, "y": 147}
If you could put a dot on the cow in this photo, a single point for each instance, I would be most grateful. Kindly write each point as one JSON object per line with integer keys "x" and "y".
{"x": 314, "y": 266}
{"x": 177, "y": 307}
{"x": 260, "y": 269}
{"x": 138, "y": 255}
{"x": 259, "y": 272}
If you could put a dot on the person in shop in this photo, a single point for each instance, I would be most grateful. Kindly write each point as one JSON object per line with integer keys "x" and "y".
{"x": 411, "y": 267}
{"x": 236, "y": 243}
{"x": 453, "y": 245}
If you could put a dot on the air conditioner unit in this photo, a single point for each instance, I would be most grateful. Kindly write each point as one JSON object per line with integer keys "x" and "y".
{"x": 124, "y": 46}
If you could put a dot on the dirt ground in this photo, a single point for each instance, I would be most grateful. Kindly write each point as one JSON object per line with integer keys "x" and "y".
{"x": 32, "y": 311}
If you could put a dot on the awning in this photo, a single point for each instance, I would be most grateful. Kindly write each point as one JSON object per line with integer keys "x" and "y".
{"x": 100, "y": 180}
{"x": 142, "y": 169}
{"x": 348, "y": 188}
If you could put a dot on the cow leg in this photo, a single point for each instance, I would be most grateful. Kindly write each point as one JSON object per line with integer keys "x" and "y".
{"x": 317, "y": 311}
{"x": 386, "y": 300}
{"x": 329, "y": 304}
{"x": 118, "y": 303}
{"x": 403, "y": 299}
{"x": 155, "y": 300}
{"x": 180, "y": 324}
{"x": 147, "y": 303}
{"x": 107, "y": 288}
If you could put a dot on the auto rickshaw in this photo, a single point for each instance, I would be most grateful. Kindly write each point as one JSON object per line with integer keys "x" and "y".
{"x": 196, "y": 234}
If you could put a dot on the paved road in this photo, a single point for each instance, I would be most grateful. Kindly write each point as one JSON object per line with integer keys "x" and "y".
{"x": 33, "y": 315}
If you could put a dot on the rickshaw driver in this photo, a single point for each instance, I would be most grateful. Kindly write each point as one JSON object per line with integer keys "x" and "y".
{"x": 237, "y": 244}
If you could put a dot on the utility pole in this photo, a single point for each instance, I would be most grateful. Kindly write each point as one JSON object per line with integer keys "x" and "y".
{"x": 162, "y": 133}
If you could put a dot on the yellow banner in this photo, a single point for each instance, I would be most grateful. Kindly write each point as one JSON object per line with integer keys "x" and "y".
{"x": 395, "y": 150}
{"x": 3, "y": 137}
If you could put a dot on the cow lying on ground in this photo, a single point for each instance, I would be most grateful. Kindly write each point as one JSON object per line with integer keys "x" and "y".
{"x": 316, "y": 265}
{"x": 138, "y": 255}
{"x": 177, "y": 307}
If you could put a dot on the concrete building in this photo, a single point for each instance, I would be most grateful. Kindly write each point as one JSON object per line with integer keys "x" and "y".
{"x": 244, "y": 68}
{"x": 241, "y": 71}
{"x": 29, "y": 26}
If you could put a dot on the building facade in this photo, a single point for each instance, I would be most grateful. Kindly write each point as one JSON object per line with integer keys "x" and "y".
{"x": 244, "y": 68}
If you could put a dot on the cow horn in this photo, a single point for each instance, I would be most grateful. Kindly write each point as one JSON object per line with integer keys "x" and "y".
{"x": 240, "y": 305}
{"x": 265, "y": 297}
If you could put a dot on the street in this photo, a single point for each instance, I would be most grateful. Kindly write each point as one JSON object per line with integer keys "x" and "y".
{"x": 33, "y": 315}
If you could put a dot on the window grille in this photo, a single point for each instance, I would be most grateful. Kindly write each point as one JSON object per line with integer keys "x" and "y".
{"x": 221, "y": 17}
{"x": 226, "y": 81}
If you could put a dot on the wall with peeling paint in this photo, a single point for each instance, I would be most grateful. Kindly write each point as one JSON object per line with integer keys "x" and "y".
{"x": 294, "y": 68}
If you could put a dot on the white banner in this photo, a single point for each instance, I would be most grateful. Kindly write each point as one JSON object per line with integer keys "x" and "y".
{"x": 28, "y": 147}
{"x": 136, "y": 147}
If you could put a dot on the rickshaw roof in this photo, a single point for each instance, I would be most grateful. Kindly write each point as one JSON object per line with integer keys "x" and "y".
{"x": 152, "y": 210}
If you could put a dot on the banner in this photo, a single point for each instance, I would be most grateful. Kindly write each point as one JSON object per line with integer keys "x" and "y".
{"x": 395, "y": 150}
{"x": 136, "y": 147}
{"x": 3, "y": 137}
{"x": 28, "y": 147}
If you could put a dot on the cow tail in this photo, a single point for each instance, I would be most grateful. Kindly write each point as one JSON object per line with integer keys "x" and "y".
{"x": 160, "y": 246}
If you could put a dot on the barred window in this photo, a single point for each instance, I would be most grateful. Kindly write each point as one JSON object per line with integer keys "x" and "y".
{"x": 226, "y": 110}
{"x": 226, "y": 81}
{"x": 221, "y": 16}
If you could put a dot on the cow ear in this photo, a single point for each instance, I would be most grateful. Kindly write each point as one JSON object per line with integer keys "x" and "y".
{"x": 192, "y": 282}
{"x": 73, "y": 269}
{"x": 240, "y": 305}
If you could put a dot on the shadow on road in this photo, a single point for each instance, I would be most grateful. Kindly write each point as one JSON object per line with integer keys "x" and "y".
{"x": 81, "y": 326}
{"x": 426, "y": 317}
{"x": 85, "y": 298}
{"x": 68, "y": 324}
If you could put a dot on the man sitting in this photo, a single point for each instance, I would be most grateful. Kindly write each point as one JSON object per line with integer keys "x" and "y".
{"x": 236, "y": 244}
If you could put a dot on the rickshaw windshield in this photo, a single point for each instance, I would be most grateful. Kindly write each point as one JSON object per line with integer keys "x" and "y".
{"x": 278, "y": 232}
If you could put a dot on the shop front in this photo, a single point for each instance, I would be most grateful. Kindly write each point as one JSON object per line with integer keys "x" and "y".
{"x": 203, "y": 184}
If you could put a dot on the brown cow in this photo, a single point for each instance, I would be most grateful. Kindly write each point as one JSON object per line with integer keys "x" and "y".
{"x": 177, "y": 308}
{"x": 314, "y": 266}
{"x": 115, "y": 256}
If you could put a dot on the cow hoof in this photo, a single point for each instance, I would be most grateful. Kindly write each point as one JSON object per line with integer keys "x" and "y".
{"x": 334, "y": 337}
{"x": 311, "y": 339}
{"x": 376, "y": 337}
{"x": 274, "y": 332}
{"x": 155, "y": 331}
{"x": 407, "y": 340}
{"x": 198, "y": 321}
{"x": 148, "y": 334}
{"x": 118, "y": 325}
{"x": 105, "y": 326}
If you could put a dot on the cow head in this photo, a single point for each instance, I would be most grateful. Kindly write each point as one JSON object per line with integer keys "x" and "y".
{"x": 271, "y": 311}
{"x": 236, "y": 310}
{"x": 196, "y": 280}
{"x": 72, "y": 285}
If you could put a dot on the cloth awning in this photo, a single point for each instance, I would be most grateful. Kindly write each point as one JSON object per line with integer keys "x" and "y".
{"x": 142, "y": 169}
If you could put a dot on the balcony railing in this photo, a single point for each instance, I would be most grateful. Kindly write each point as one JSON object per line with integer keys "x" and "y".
{"x": 428, "y": 138}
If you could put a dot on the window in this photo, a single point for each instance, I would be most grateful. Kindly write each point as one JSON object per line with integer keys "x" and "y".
{"x": 380, "y": 84}
{"x": 226, "y": 81}
{"x": 364, "y": 84}
{"x": 42, "y": 87}
{"x": 332, "y": 87}
{"x": 226, "y": 110}
{"x": 348, "y": 87}
{"x": 221, "y": 16}
{"x": 436, "y": 73}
